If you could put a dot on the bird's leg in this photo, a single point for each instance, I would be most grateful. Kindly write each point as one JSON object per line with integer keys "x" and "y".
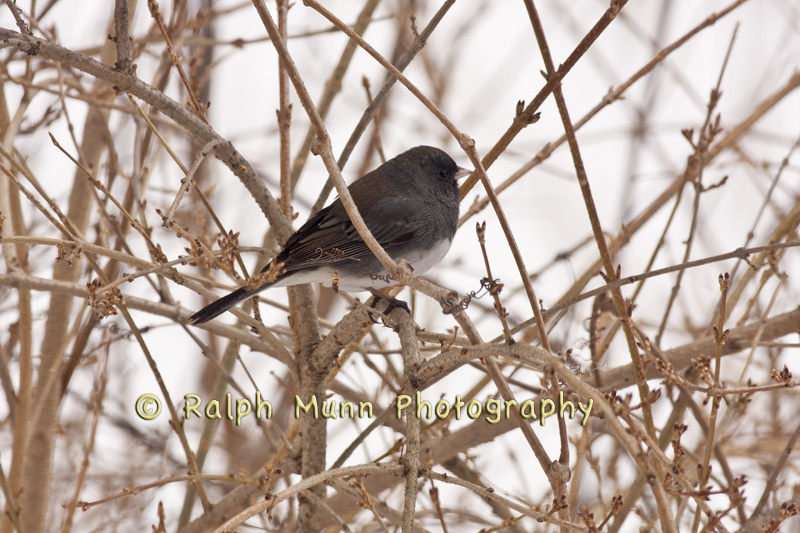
{"x": 393, "y": 302}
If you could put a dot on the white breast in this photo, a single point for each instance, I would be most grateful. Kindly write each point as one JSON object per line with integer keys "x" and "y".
{"x": 423, "y": 262}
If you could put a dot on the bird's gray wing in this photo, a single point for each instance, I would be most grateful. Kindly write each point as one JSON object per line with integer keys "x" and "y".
{"x": 329, "y": 236}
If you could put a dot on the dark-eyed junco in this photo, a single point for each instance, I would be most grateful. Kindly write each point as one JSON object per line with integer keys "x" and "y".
{"x": 410, "y": 204}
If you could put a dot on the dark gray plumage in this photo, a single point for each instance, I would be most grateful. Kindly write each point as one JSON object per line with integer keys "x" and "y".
{"x": 410, "y": 204}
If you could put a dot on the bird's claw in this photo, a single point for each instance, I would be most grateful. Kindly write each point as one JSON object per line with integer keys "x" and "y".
{"x": 393, "y": 302}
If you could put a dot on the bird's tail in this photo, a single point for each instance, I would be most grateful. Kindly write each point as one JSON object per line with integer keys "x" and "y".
{"x": 218, "y": 307}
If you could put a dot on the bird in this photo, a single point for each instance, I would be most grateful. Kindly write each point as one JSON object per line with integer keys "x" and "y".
{"x": 409, "y": 203}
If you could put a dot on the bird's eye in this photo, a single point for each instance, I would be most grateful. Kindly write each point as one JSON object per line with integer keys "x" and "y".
{"x": 443, "y": 174}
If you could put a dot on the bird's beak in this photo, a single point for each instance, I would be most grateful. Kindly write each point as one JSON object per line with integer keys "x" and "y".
{"x": 462, "y": 173}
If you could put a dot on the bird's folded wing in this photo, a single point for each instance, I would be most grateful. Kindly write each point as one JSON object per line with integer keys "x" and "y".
{"x": 329, "y": 236}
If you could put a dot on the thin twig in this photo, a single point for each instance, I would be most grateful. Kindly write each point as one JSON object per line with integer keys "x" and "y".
{"x": 284, "y": 114}
{"x": 377, "y": 102}
{"x": 12, "y": 6}
{"x": 186, "y": 182}
{"x": 492, "y": 286}
{"x": 667, "y": 522}
{"x": 697, "y": 161}
{"x": 323, "y": 148}
{"x": 613, "y": 95}
{"x": 528, "y": 114}
{"x": 128, "y": 83}
{"x": 195, "y": 105}
{"x": 411, "y": 460}
{"x": 332, "y": 88}
{"x": 122, "y": 36}
{"x": 306, "y": 484}
{"x": 720, "y": 336}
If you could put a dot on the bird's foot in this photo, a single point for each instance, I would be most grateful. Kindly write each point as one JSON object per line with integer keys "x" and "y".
{"x": 392, "y": 301}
